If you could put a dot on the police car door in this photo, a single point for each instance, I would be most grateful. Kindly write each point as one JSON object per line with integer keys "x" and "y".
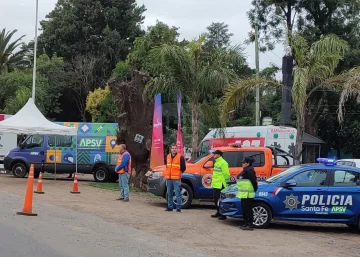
{"x": 305, "y": 199}
{"x": 344, "y": 193}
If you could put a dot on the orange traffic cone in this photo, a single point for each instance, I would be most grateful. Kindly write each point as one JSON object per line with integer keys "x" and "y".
{"x": 39, "y": 185}
{"x": 75, "y": 185}
{"x": 27, "y": 209}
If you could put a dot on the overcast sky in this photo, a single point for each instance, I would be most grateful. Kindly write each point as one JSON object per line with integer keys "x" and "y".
{"x": 192, "y": 16}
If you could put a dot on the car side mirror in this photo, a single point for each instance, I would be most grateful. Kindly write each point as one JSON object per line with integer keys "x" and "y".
{"x": 290, "y": 183}
{"x": 209, "y": 164}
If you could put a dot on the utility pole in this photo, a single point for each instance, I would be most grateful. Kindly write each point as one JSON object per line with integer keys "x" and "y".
{"x": 257, "y": 102}
{"x": 35, "y": 48}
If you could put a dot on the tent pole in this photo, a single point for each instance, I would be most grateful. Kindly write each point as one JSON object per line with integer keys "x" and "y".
{"x": 76, "y": 165}
{"x": 55, "y": 157}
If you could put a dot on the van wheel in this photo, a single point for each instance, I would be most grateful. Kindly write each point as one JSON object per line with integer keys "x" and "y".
{"x": 101, "y": 174}
{"x": 19, "y": 170}
{"x": 358, "y": 226}
{"x": 186, "y": 196}
{"x": 262, "y": 215}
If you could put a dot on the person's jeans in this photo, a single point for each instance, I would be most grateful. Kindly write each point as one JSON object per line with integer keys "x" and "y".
{"x": 124, "y": 185}
{"x": 174, "y": 185}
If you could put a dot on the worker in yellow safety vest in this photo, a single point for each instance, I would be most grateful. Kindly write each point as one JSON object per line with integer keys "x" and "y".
{"x": 247, "y": 186}
{"x": 219, "y": 180}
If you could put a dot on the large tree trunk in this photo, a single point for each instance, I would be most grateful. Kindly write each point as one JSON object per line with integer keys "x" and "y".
{"x": 315, "y": 107}
{"x": 135, "y": 118}
{"x": 195, "y": 125}
{"x": 300, "y": 126}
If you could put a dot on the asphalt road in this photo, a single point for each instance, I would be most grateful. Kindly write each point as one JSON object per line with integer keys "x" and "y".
{"x": 58, "y": 232}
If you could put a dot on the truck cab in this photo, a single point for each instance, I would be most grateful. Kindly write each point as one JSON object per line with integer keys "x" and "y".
{"x": 196, "y": 180}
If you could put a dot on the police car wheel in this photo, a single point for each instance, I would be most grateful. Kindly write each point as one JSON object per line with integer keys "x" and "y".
{"x": 262, "y": 215}
{"x": 19, "y": 170}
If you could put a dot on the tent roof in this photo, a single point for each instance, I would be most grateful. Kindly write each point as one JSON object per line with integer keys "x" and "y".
{"x": 29, "y": 120}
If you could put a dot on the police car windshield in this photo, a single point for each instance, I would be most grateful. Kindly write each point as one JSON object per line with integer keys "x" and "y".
{"x": 283, "y": 174}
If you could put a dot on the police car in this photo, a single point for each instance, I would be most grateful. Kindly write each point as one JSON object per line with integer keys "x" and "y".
{"x": 321, "y": 192}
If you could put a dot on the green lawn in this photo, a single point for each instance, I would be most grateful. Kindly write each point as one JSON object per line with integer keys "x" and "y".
{"x": 109, "y": 186}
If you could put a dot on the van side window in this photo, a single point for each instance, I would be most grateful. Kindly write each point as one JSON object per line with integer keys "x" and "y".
{"x": 61, "y": 141}
{"x": 34, "y": 141}
{"x": 259, "y": 158}
{"x": 232, "y": 158}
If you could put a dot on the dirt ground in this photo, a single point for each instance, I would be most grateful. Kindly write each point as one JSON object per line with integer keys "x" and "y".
{"x": 194, "y": 228}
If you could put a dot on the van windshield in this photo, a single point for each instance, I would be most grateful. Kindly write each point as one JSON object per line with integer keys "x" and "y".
{"x": 282, "y": 174}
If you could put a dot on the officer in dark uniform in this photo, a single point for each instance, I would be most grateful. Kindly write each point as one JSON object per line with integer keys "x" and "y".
{"x": 248, "y": 174}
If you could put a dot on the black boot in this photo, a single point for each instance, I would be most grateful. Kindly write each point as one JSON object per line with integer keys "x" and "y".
{"x": 216, "y": 215}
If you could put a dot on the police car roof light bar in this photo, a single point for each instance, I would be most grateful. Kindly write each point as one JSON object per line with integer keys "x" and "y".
{"x": 326, "y": 161}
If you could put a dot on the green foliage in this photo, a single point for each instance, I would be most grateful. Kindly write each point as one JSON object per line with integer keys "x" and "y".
{"x": 16, "y": 87}
{"x": 156, "y": 35}
{"x": 121, "y": 70}
{"x": 315, "y": 64}
{"x": 191, "y": 70}
{"x": 218, "y": 35}
{"x": 10, "y": 59}
{"x": 103, "y": 29}
{"x": 100, "y": 104}
{"x": 278, "y": 18}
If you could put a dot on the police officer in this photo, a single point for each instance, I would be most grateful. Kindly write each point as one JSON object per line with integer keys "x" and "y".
{"x": 220, "y": 177}
{"x": 247, "y": 185}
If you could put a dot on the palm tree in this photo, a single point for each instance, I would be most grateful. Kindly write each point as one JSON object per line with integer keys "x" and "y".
{"x": 9, "y": 59}
{"x": 194, "y": 72}
{"x": 314, "y": 68}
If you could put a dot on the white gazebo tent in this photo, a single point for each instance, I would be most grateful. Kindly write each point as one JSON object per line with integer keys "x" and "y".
{"x": 29, "y": 120}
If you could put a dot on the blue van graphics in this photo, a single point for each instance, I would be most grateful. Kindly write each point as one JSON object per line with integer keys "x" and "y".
{"x": 96, "y": 144}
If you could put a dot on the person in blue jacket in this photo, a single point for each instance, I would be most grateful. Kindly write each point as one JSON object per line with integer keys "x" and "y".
{"x": 123, "y": 168}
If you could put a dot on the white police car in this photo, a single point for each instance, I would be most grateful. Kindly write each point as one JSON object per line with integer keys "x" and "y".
{"x": 321, "y": 192}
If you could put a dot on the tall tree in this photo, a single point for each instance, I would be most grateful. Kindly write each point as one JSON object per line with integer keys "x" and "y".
{"x": 15, "y": 87}
{"x": 193, "y": 72}
{"x": 10, "y": 58}
{"x": 81, "y": 80}
{"x": 156, "y": 35}
{"x": 315, "y": 68}
{"x": 275, "y": 20}
{"x": 103, "y": 29}
{"x": 313, "y": 19}
{"x": 128, "y": 84}
{"x": 218, "y": 35}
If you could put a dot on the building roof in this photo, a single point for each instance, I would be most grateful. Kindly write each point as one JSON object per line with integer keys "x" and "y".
{"x": 311, "y": 140}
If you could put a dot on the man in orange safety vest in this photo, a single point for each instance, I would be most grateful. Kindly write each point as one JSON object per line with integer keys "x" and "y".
{"x": 123, "y": 168}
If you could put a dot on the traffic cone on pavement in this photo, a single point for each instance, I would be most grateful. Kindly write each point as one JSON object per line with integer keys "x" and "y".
{"x": 27, "y": 209}
{"x": 75, "y": 185}
{"x": 39, "y": 185}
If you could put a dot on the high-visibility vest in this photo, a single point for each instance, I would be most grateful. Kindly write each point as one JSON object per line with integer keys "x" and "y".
{"x": 220, "y": 174}
{"x": 119, "y": 162}
{"x": 173, "y": 171}
{"x": 245, "y": 189}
